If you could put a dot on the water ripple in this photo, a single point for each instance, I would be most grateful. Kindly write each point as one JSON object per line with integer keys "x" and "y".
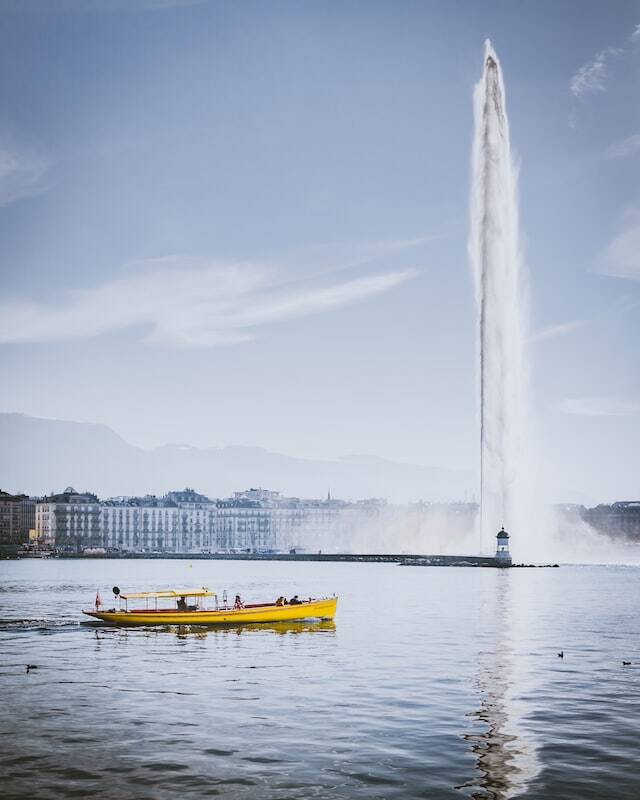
{"x": 432, "y": 684}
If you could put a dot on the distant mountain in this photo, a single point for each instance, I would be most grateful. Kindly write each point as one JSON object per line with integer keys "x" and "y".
{"x": 38, "y": 456}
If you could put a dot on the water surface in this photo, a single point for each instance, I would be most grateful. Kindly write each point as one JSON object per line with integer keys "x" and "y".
{"x": 433, "y": 683}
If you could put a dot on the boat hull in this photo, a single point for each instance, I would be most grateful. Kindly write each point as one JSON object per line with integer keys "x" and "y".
{"x": 321, "y": 609}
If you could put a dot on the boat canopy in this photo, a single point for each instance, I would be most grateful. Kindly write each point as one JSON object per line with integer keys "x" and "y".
{"x": 169, "y": 593}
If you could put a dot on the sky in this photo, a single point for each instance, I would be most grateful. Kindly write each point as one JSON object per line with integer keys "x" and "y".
{"x": 246, "y": 223}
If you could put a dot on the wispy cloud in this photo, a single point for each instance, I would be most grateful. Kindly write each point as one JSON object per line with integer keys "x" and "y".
{"x": 21, "y": 174}
{"x": 598, "y": 406}
{"x": 625, "y": 147}
{"x": 622, "y": 256}
{"x": 591, "y": 77}
{"x": 187, "y": 303}
{"x": 330, "y": 257}
{"x": 559, "y": 329}
{"x": 620, "y": 306}
{"x": 93, "y": 6}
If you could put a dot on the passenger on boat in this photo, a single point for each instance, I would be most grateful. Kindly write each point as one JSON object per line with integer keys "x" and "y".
{"x": 294, "y": 601}
{"x": 238, "y": 602}
{"x": 280, "y": 601}
{"x": 182, "y": 604}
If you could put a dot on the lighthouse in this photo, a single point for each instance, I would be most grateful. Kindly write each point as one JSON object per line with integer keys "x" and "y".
{"x": 503, "y": 556}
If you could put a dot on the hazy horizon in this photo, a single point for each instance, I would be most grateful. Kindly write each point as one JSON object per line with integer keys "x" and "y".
{"x": 396, "y": 481}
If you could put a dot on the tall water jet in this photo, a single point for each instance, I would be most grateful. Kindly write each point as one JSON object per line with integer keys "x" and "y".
{"x": 498, "y": 271}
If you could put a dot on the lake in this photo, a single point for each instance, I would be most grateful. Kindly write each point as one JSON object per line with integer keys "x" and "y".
{"x": 436, "y": 682}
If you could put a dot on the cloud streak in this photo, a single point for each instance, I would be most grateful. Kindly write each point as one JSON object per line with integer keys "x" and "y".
{"x": 622, "y": 255}
{"x": 187, "y": 303}
{"x": 625, "y": 147}
{"x": 338, "y": 256}
{"x": 554, "y": 331}
{"x": 598, "y": 407}
{"x": 557, "y": 330}
{"x": 21, "y": 175}
{"x": 592, "y": 76}
{"x": 94, "y": 6}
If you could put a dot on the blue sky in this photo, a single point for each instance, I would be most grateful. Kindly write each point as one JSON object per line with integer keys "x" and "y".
{"x": 246, "y": 223}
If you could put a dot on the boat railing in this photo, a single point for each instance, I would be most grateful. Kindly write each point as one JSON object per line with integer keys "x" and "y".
{"x": 191, "y": 601}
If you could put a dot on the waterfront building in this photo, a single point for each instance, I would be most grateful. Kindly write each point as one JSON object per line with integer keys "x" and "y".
{"x": 179, "y": 522}
{"x": 618, "y": 519}
{"x": 17, "y": 518}
{"x": 265, "y": 496}
{"x": 255, "y": 520}
{"x": 245, "y": 525}
{"x": 262, "y": 520}
{"x": 70, "y": 521}
{"x": 188, "y": 498}
{"x": 28, "y": 518}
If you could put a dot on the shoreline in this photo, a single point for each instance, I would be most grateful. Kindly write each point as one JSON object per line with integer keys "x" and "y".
{"x": 402, "y": 559}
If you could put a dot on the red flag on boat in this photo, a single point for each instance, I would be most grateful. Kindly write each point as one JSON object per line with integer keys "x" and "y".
{"x": 98, "y": 600}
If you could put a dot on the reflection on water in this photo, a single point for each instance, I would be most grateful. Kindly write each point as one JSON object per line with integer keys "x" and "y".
{"x": 103, "y": 631}
{"x": 505, "y": 754}
{"x": 280, "y": 628}
{"x": 202, "y": 631}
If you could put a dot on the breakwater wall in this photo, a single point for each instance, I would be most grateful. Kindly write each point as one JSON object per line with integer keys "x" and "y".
{"x": 404, "y": 559}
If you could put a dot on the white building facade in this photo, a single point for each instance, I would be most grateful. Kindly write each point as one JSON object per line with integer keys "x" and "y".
{"x": 255, "y": 521}
{"x": 70, "y": 521}
{"x": 158, "y": 529}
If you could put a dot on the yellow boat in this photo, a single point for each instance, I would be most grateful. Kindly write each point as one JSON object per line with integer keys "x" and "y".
{"x": 190, "y": 607}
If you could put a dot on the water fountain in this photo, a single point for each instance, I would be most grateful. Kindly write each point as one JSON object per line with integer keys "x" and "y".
{"x": 498, "y": 271}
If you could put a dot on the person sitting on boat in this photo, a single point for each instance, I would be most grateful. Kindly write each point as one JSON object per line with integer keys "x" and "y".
{"x": 295, "y": 601}
{"x": 238, "y": 602}
{"x": 182, "y": 604}
{"x": 280, "y": 601}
